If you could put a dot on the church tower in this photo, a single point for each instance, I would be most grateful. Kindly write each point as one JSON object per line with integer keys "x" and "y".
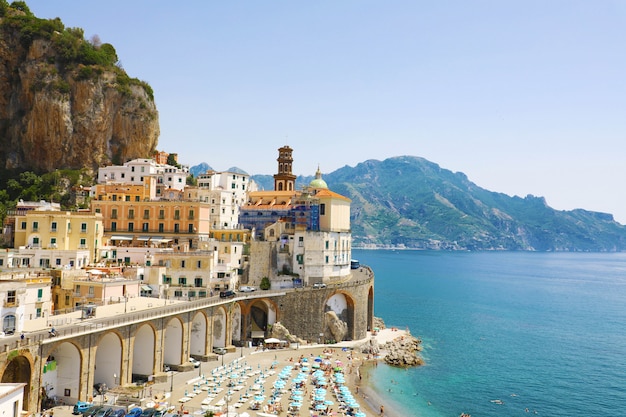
{"x": 284, "y": 180}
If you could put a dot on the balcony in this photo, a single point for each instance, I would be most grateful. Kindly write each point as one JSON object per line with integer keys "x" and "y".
{"x": 11, "y": 303}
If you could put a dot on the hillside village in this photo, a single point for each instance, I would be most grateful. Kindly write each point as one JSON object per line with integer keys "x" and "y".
{"x": 148, "y": 234}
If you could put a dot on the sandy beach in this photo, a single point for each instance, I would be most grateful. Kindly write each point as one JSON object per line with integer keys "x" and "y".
{"x": 310, "y": 380}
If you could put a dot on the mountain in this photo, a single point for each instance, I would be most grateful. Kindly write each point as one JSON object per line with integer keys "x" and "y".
{"x": 410, "y": 202}
{"x": 66, "y": 102}
{"x": 199, "y": 169}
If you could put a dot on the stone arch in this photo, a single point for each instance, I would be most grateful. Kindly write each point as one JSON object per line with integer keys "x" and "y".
{"x": 342, "y": 304}
{"x": 61, "y": 372}
{"x": 261, "y": 314}
{"x": 108, "y": 364}
{"x": 19, "y": 369}
{"x": 144, "y": 345}
{"x": 198, "y": 334}
{"x": 173, "y": 342}
{"x": 219, "y": 327}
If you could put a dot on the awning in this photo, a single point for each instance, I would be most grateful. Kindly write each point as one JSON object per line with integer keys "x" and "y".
{"x": 146, "y": 288}
{"x": 144, "y": 238}
{"x": 121, "y": 238}
{"x": 272, "y": 340}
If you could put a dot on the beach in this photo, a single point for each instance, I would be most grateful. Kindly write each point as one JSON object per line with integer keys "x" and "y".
{"x": 309, "y": 380}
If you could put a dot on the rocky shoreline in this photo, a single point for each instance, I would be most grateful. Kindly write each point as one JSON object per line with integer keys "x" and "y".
{"x": 401, "y": 351}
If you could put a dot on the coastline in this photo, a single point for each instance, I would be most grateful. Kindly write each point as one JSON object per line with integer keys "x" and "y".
{"x": 355, "y": 369}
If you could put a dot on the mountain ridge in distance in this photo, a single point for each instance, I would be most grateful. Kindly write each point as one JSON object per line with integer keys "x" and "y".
{"x": 410, "y": 202}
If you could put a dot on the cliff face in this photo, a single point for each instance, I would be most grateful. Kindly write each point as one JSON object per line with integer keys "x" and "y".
{"x": 59, "y": 115}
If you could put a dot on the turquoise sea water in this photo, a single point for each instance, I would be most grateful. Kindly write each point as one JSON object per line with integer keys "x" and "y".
{"x": 539, "y": 331}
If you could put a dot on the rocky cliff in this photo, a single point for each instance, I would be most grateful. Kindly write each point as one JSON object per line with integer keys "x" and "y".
{"x": 64, "y": 103}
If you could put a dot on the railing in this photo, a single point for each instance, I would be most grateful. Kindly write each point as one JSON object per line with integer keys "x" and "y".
{"x": 9, "y": 304}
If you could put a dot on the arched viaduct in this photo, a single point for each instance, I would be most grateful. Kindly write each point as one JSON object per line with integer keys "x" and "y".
{"x": 134, "y": 347}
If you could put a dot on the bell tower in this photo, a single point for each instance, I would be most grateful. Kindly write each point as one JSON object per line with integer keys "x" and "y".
{"x": 284, "y": 180}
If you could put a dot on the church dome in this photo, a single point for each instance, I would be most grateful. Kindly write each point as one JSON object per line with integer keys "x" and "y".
{"x": 318, "y": 182}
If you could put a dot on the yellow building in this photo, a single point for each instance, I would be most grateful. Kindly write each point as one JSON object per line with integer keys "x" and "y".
{"x": 147, "y": 223}
{"x": 60, "y": 230}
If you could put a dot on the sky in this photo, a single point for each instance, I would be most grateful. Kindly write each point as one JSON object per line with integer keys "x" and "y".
{"x": 523, "y": 96}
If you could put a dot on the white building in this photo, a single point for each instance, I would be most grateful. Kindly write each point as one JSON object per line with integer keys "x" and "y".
{"x": 226, "y": 191}
{"x": 26, "y": 297}
{"x": 135, "y": 171}
{"x": 11, "y": 396}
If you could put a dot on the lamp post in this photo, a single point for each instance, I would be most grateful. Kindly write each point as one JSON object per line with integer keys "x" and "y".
{"x": 200, "y": 369}
{"x": 171, "y": 381}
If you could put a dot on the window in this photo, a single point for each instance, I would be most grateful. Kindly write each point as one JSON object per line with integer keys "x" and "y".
{"x": 35, "y": 226}
{"x": 83, "y": 227}
{"x": 53, "y": 242}
{"x": 38, "y": 312}
{"x": 67, "y": 299}
{"x": 191, "y": 294}
{"x": 131, "y": 226}
{"x": 183, "y": 263}
{"x": 326, "y": 244}
{"x": 176, "y": 228}
{"x": 167, "y": 280}
{"x": 131, "y": 213}
{"x": 326, "y": 259}
{"x": 191, "y": 213}
{"x": 197, "y": 282}
{"x": 136, "y": 198}
{"x": 161, "y": 228}
{"x": 161, "y": 214}
{"x": 178, "y": 293}
{"x": 322, "y": 209}
{"x": 83, "y": 243}
{"x": 11, "y": 297}
{"x": 53, "y": 226}
{"x": 36, "y": 242}
{"x": 199, "y": 264}
{"x": 182, "y": 281}
{"x": 91, "y": 290}
{"x": 144, "y": 227}
{"x": 113, "y": 226}
{"x": 8, "y": 324}
{"x": 146, "y": 214}
{"x": 300, "y": 259}
{"x": 57, "y": 261}
{"x": 176, "y": 214}
{"x": 190, "y": 228}
{"x": 127, "y": 198}
{"x": 40, "y": 293}
{"x": 114, "y": 213}
{"x": 23, "y": 225}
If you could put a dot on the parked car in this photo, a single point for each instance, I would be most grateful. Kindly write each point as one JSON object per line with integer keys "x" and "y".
{"x": 148, "y": 412}
{"x": 247, "y": 288}
{"x": 91, "y": 411}
{"x": 319, "y": 285}
{"x": 219, "y": 350}
{"x": 160, "y": 413}
{"x": 227, "y": 294}
{"x": 103, "y": 412}
{"x": 196, "y": 363}
{"x": 118, "y": 413}
{"x": 81, "y": 406}
{"x": 134, "y": 412}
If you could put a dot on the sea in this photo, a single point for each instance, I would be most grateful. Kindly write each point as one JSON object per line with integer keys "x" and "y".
{"x": 503, "y": 333}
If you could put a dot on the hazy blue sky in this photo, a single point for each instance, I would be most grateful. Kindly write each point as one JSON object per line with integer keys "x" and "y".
{"x": 525, "y": 97}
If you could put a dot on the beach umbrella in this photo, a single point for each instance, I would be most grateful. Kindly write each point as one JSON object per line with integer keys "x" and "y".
{"x": 318, "y": 359}
{"x": 259, "y": 398}
{"x": 320, "y": 407}
{"x": 359, "y": 414}
{"x": 329, "y": 402}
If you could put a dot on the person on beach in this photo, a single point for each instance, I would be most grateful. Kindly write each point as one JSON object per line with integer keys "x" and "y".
{"x": 382, "y": 411}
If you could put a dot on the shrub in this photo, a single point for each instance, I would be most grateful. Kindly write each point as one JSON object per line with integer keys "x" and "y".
{"x": 265, "y": 284}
